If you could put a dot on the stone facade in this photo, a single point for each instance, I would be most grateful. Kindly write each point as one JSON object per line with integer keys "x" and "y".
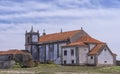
{"x": 81, "y": 57}
{"x": 67, "y": 48}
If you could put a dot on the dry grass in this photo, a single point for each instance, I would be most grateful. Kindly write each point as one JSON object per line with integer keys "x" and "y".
{"x": 58, "y": 69}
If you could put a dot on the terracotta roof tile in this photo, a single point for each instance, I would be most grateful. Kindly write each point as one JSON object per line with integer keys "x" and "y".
{"x": 75, "y": 44}
{"x": 88, "y": 39}
{"x": 58, "y": 36}
{"x": 96, "y": 49}
{"x": 11, "y": 52}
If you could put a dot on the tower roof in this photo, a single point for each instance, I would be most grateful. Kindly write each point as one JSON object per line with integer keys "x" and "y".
{"x": 32, "y": 31}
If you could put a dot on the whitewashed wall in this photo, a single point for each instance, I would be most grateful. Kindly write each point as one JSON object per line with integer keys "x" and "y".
{"x": 83, "y": 51}
{"x": 92, "y": 46}
{"x": 105, "y": 56}
{"x": 28, "y": 47}
{"x": 47, "y": 50}
{"x": 69, "y": 57}
{"x": 62, "y": 44}
{"x": 55, "y": 51}
{"x": 34, "y": 52}
{"x": 91, "y": 61}
{"x": 41, "y": 53}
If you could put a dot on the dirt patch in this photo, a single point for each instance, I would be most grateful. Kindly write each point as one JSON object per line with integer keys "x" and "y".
{"x": 17, "y": 72}
{"x": 79, "y": 73}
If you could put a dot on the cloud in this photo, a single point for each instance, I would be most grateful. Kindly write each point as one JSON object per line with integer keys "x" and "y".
{"x": 88, "y": 3}
{"x": 100, "y": 18}
{"x": 47, "y": 16}
{"x": 42, "y": 11}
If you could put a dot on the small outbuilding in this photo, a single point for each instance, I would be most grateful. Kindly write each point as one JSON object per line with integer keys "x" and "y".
{"x": 10, "y": 57}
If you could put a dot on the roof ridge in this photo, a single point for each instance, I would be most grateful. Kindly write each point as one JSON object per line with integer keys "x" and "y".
{"x": 89, "y": 39}
{"x": 58, "y": 36}
{"x": 61, "y": 32}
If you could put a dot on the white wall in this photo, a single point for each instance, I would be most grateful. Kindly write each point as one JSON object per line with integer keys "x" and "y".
{"x": 62, "y": 44}
{"x": 47, "y": 50}
{"x": 83, "y": 55}
{"x": 92, "y": 46}
{"x": 105, "y": 56}
{"x": 91, "y": 61}
{"x": 28, "y": 47}
{"x": 42, "y": 53}
{"x": 69, "y": 57}
{"x": 55, "y": 51}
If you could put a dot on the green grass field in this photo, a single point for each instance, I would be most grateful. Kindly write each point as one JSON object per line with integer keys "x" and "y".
{"x": 58, "y": 69}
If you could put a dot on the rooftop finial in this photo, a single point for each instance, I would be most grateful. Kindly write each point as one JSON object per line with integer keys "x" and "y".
{"x": 31, "y": 28}
{"x": 81, "y": 28}
{"x": 38, "y": 31}
{"x": 61, "y": 30}
{"x": 44, "y": 32}
{"x": 26, "y": 31}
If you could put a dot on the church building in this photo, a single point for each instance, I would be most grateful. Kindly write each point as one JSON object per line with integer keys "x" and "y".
{"x": 68, "y": 48}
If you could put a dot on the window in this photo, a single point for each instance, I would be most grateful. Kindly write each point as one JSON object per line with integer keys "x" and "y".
{"x": 65, "y": 53}
{"x": 105, "y": 61}
{"x": 28, "y": 40}
{"x": 91, "y": 57}
{"x": 72, "y": 61}
{"x": 72, "y": 52}
{"x": 64, "y": 61}
{"x": 105, "y": 49}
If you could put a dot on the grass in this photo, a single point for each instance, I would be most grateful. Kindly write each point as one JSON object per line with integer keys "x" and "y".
{"x": 58, "y": 69}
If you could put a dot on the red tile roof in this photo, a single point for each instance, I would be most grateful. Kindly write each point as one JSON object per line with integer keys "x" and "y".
{"x": 11, "y": 52}
{"x": 96, "y": 49}
{"x": 88, "y": 39}
{"x": 83, "y": 40}
{"x": 75, "y": 44}
{"x": 58, "y": 36}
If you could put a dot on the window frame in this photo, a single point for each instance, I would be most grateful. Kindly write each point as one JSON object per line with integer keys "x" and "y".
{"x": 64, "y": 61}
{"x": 105, "y": 49}
{"x": 91, "y": 57}
{"x": 72, "y": 52}
{"x": 72, "y": 61}
{"x": 65, "y": 52}
{"x": 105, "y": 61}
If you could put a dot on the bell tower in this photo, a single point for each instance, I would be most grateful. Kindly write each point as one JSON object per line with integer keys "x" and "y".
{"x": 31, "y": 41}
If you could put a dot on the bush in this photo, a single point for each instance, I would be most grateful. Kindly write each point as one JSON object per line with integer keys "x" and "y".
{"x": 24, "y": 60}
{"x": 36, "y": 63}
{"x": 17, "y": 65}
{"x": 50, "y": 62}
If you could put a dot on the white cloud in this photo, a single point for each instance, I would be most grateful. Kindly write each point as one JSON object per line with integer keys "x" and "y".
{"x": 27, "y": 6}
{"x": 71, "y": 13}
{"x": 101, "y": 23}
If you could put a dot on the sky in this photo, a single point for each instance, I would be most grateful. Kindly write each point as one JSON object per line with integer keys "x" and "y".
{"x": 99, "y": 18}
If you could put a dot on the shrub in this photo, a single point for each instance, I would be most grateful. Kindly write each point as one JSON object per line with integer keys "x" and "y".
{"x": 36, "y": 63}
{"x": 50, "y": 62}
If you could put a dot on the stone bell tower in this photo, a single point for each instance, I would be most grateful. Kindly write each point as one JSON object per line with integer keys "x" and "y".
{"x": 31, "y": 41}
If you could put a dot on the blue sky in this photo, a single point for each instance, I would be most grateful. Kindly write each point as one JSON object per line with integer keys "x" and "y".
{"x": 99, "y": 18}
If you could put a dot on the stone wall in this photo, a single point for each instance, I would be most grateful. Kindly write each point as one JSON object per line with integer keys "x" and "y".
{"x": 6, "y": 64}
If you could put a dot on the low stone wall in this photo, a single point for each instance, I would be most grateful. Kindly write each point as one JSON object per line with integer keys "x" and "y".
{"x": 6, "y": 64}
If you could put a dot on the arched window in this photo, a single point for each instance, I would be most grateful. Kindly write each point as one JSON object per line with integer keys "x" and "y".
{"x": 28, "y": 39}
